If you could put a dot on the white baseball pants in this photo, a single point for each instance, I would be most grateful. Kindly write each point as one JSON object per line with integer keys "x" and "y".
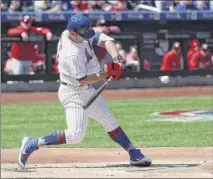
{"x": 72, "y": 100}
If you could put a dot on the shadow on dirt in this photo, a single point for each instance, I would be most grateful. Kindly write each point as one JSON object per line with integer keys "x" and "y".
{"x": 153, "y": 167}
{"x": 19, "y": 170}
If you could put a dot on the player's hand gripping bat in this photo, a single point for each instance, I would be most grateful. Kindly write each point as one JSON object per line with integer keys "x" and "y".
{"x": 97, "y": 93}
{"x": 119, "y": 70}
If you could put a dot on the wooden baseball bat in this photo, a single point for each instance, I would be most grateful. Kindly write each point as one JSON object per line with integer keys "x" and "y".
{"x": 97, "y": 93}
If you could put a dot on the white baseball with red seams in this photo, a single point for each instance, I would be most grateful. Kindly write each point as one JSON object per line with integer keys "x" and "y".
{"x": 75, "y": 61}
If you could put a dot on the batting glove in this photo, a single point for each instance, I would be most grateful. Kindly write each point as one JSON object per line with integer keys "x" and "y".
{"x": 121, "y": 61}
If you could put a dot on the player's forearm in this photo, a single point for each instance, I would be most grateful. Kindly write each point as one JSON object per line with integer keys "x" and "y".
{"x": 111, "y": 48}
{"x": 93, "y": 78}
{"x": 14, "y": 32}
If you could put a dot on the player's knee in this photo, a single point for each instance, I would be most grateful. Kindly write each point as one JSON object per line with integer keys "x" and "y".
{"x": 109, "y": 123}
{"x": 74, "y": 137}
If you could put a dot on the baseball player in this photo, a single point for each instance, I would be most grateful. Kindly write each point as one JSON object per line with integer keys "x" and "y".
{"x": 79, "y": 69}
{"x": 201, "y": 59}
{"x": 194, "y": 47}
{"x": 172, "y": 59}
{"x": 24, "y": 53}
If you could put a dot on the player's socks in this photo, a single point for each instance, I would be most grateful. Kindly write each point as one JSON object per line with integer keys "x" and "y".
{"x": 121, "y": 138}
{"x": 57, "y": 137}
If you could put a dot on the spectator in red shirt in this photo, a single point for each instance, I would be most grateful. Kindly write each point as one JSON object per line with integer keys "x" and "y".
{"x": 81, "y": 5}
{"x": 119, "y": 5}
{"x": 194, "y": 47}
{"x": 24, "y": 53}
{"x": 172, "y": 59}
{"x": 202, "y": 59}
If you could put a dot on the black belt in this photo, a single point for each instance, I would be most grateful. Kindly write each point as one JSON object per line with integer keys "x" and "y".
{"x": 64, "y": 83}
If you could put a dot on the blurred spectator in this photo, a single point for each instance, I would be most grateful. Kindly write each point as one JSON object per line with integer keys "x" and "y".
{"x": 165, "y": 5}
{"x": 81, "y": 5}
{"x": 132, "y": 57}
{"x": 104, "y": 5}
{"x": 202, "y": 59}
{"x": 103, "y": 28}
{"x": 172, "y": 59}
{"x": 4, "y": 5}
{"x": 15, "y": 5}
{"x": 76, "y": 6}
{"x": 185, "y": 5}
{"x": 60, "y": 5}
{"x": 27, "y": 5}
{"x": 120, "y": 49}
{"x": 131, "y": 4}
{"x": 8, "y": 69}
{"x": 133, "y": 54}
{"x": 100, "y": 5}
{"x": 37, "y": 65}
{"x": 41, "y": 5}
{"x": 24, "y": 53}
{"x": 146, "y": 2}
{"x": 119, "y": 5}
{"x": 202, "y": 4}
{"x": 85, "y": 6}
{"x": 194, "y": 47}
{"x": 96, "y": 5}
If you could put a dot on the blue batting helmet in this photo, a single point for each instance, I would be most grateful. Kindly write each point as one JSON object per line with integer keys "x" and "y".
{"x": 81, "y": 25}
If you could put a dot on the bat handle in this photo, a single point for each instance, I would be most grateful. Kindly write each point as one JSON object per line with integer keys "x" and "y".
{"x": 85, "y": 106}
{"x": 110, "y": 78}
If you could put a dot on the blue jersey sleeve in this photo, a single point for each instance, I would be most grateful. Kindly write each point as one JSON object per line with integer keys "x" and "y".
{"x": 96, "y": 38}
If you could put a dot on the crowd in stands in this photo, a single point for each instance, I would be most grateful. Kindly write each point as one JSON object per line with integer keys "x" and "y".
{"x": 55, "y": 6}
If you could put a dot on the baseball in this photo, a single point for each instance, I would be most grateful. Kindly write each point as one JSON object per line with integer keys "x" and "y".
{"x": 164, "y": 79}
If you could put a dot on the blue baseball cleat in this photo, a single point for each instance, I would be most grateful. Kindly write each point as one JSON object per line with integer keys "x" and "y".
{"x": 28, "y": 146}
{"x": 138, "y": 159}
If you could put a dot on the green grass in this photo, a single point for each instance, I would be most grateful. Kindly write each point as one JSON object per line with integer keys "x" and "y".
{"x": 134, "y": 116}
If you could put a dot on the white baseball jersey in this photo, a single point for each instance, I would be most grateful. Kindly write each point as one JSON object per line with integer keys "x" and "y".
{"x": 75, "y": 62}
